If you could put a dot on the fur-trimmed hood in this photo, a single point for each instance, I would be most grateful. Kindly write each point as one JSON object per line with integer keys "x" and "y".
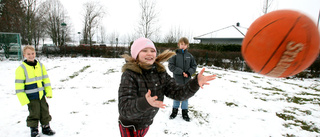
{"x": 133, "y": 65}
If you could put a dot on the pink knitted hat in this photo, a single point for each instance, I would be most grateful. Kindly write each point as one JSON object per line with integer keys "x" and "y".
{"x": 140, "y": 44}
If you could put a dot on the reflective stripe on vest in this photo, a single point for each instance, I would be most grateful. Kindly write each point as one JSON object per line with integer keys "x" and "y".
{"x": 47, "y": 85}
{"x": 30, "y": 91}
{"x": 19, "y": 81}
{"x": 21, "y": 90}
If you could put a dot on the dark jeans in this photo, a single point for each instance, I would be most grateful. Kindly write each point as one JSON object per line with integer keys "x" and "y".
{"x": 38, "y": 111}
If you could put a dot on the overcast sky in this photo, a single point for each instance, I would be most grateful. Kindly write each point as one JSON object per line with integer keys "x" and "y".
{"x": 195, "y": 17}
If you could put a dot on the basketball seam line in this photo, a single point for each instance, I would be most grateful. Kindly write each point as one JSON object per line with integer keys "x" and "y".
{"x": 258, "y": 33}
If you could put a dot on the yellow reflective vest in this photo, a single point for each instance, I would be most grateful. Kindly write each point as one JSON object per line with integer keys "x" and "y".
{"x": 32, "y": 82}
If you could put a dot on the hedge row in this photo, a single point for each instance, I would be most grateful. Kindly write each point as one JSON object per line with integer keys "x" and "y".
{"x": 224, "y": 58}
{"x": 85, "y": 51}
{"x": 210, "y": 47}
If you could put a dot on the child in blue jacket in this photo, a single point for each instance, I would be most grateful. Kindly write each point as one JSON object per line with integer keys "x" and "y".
{"x": 182, "y": 65}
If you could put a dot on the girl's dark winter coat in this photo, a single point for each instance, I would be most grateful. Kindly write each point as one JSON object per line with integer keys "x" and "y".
{"x": 136, "y": 79}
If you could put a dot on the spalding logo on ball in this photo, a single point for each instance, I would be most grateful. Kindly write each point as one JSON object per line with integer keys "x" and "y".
{"x": 281, "y": 43}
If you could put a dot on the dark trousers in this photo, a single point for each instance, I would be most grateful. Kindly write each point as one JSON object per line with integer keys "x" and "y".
{"x": 130, "y": 132}
{"x": 38, "y": 111}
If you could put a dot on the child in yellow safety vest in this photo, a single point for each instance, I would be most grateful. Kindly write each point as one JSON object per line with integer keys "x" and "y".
{"x": 32, "y": 85}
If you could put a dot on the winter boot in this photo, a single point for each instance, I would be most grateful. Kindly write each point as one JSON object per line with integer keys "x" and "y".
{"x": 185, "y": 115}
{"x": 34, "y": 131}
{"x": 174, "y": 113}
{"x": 47, "y": 130}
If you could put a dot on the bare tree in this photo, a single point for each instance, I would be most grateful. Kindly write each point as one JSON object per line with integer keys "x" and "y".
{"x": 93, "y": 13}
{"x": 113, "y": 37}
{"x": 55, "y": 16}
{"x": 173, "y": 36}
{"x": 29, "y": 20}
{"x": 266, "y": 6}
{"x": 39, "y": 25}
{"x": 24, "y": 17}
{"x": 103, "y": 35}
{"x": 148, "y": 18}
{"x": 34, "y": 22}
{"x": 130, "y": 38}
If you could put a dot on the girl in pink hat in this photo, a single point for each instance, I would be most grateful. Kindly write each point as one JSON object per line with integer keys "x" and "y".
{"x": 144, "y": 83}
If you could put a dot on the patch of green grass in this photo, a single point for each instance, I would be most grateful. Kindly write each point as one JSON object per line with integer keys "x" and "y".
{"x": 166, "y": 131}
{"x": 80, "y": 71}
{"x": 75, "y": 74}
{"x": 262, "y": 110}
{"x": 253, "y": 82}
{"x": 314, "y": 88}
{"x": 289, "y": 135}
{"x": 310, "y": 87}
{"x": 74, "y": 112}
{"x": 289, "y": 111}
{"x": 207, "y": 71}
{"x": 246, "y": 88}
{"x": 285, "y": 116}
{"x": 308, "y": 126}
{"x": 110, "y": 71}
{"x": 53, "y": 68}
{"x": 263, "y": 99}
{"x": 257, "y": 77}
{"x": 273, "y": 89}
{"x": 96, "y": 87}
{"x": 292, "y": 84}
{"x": 233, "y": 81}
{"x": 230, "y": 104}
{"x": 293, "y": 111}
{"x": 293, "y": 121}
{"x": 307, "y": 112}
{"x": 301, "y": 101}
{"x": 109, "y": 101}
{"x": 63, "y": 80}
{"x": 275, "y": 93}
{"x": 84, "y": 68}
{"x": 310, "y": 94}
{"x": 202, "y": 117}
{"x": 215, "y": 101}
{"x": 219, "y": 75}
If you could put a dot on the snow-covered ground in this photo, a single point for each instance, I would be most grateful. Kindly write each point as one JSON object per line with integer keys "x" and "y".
{"x": 85, "y": 101}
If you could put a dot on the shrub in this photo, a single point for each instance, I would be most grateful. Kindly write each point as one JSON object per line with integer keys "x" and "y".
{"x": 224, "y": 56}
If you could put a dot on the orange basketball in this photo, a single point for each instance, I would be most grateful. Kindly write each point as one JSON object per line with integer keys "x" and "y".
{"x": 281, "y": 43}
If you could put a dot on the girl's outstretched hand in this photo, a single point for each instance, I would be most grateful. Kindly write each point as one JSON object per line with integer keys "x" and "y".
{"x": 203, "y": 80}
{"x": 153, "y": 100}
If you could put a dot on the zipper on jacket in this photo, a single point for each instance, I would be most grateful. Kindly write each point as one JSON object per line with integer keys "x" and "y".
{"x": 183, "y": 67}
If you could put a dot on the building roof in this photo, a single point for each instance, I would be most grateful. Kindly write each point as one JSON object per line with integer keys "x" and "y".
{"x": 233, "y": 31}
